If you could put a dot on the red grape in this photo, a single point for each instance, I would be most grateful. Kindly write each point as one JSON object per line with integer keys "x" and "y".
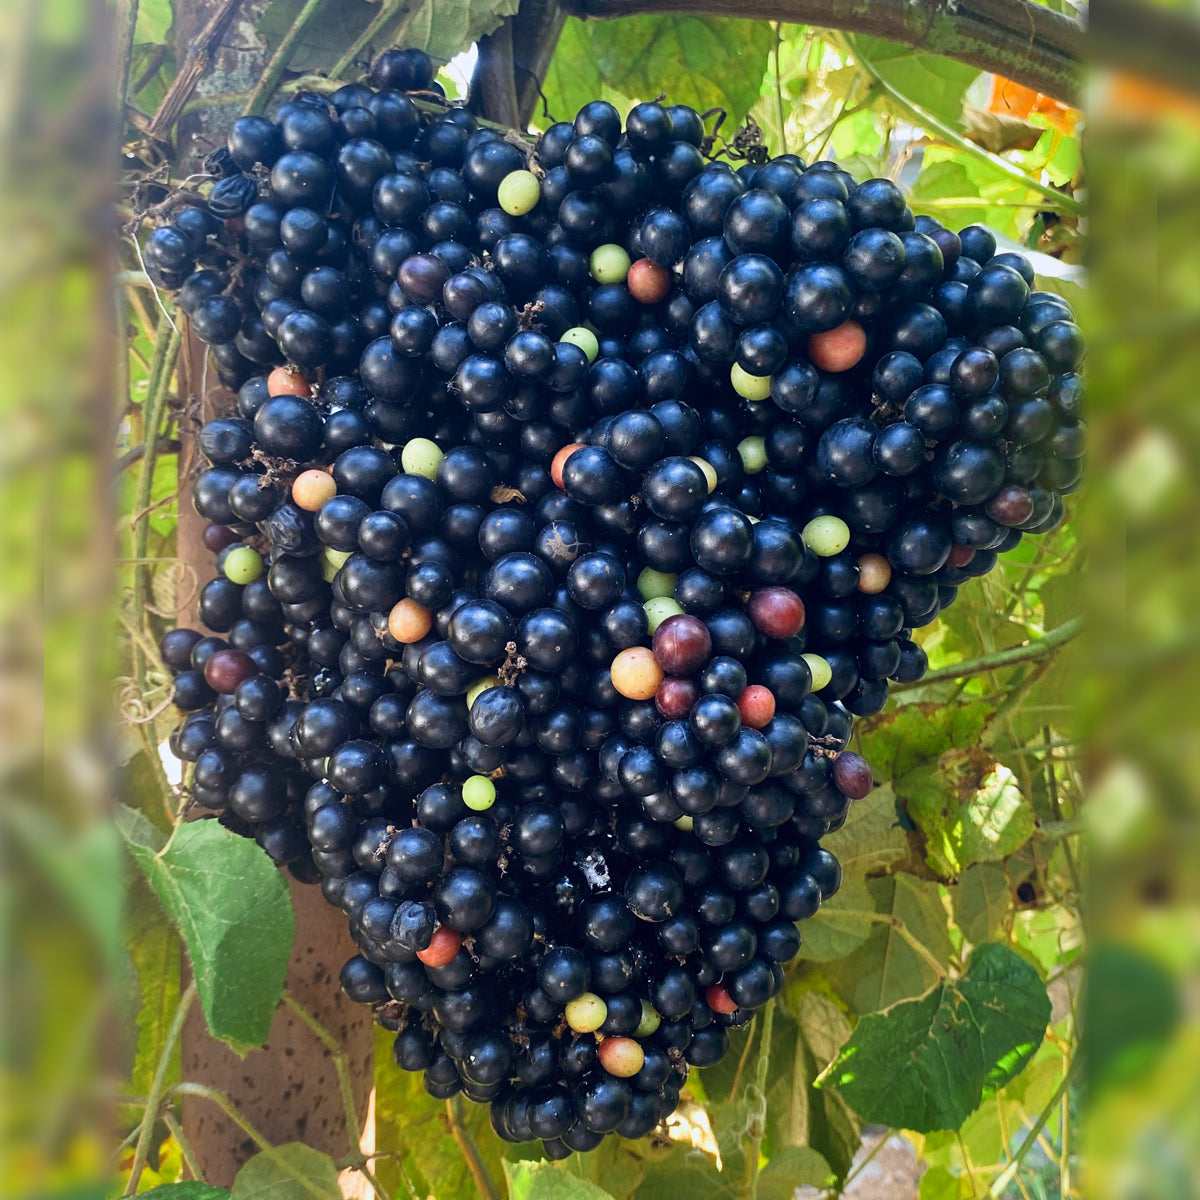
{"x": 852, "y": 775}
{"x": 675, "y": 697}
{"x": 776, "y": 611}
{"x": 682, "y": 644}
{"x": 227, "y": 668}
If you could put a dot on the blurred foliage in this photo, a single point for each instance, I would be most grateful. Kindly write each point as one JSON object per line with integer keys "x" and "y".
{"x": 978, "y": 840}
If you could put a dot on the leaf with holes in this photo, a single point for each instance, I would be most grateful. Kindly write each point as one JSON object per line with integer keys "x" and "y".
{"x": 232, "y": 909}
{"x": 927, "y": 1064}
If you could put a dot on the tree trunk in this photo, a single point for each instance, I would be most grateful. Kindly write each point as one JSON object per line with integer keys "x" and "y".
{"x": 288, "y": 1090}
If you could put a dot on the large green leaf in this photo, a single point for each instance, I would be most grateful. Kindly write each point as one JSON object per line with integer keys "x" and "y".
{"x": 982, "y": 899}
{"x": 937, "y": 83}
{"x": 927, "y": 1064}
{"x": 232, "y": 909}
{"x": 292, "y": 1171}
{"x": 887, "y": 967}
{"x": 440, "y": 27}
{"x": 543, "y": 1181}
{"x": 707, "y": 62}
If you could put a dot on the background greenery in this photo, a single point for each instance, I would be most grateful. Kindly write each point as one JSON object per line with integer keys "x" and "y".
{"x": 971, "y": 864}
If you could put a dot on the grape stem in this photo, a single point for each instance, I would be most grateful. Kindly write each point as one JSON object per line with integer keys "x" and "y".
{"x": 1031, "y": 651}
{"x": 758, "y": 1123}
{"x": 1065, "y": 201}
{"x": 282, "y": 56}
{"x": 470, "y": 1151}
{"x": 157, "y": 1089}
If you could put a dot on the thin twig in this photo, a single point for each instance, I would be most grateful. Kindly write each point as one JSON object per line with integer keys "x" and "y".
{"x": 157, "y": 1088}
{"x": 185, "y": 1147}
{"x": 271, "y": 76}
{"x": 925, "y": 118}
{"x": 1032, "y": 651}
{"x": 1014, "y": 1164}
{"x": 470, "y": 1151}
{"x": 758, "y": 1126}
{"x": 387, "y": 13}
{"x": 215, "y": 1096}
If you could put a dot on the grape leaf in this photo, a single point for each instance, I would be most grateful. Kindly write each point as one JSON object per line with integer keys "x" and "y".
{"x": 543, "y": 1181}
{"x": 292, "y": 1171}
{"x": 886, "y": 968}
{"x": 928, "y": 1063}
{"x": 937, "y": 82}
{"x": 707, "y": 62}
{"x": 686, "y": 1174}
{"x": 187, "y": 1189}
{"x": 232, "y": 908}
{"x": 442, "y": 28}
{"x": 795, "y": 1167}
{"x": 982, "y": 898}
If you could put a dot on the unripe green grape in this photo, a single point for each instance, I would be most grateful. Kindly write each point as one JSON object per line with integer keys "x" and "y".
{"x": 586, "y": 1013}
{"x": 480, "y": 686}
{"x": 519, "y": 193}
{"x": 753, "y": 453}
{"x": 243, "y": 564}
{"x": 479, "y": 793}
{"x": 585, "y": 339}
{"x": 650, "y": 1021}
{"x": 609, "y": 263}
{"x": 659, "y": 609}
{"x": 826, "y": 536}
{"x": 654, "y": 584}
{"x": 710, "y": 472}
{"x": 685, "y": 823}
{"x": 420, "y": 456}
{"x": 820, "y": 670}
{"x": 749, "y": 387}
{"x": 331, "y": 562}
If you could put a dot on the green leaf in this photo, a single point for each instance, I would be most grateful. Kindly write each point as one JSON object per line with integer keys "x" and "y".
{"x": 927, "y": 1064}
{"x": 886, "y": 968}
{"x": 544, "y": 1181}
{"x": 707, "y": 62}
{"x": 795, "y": 1167}
{"x": 189, "y": 1189}
{"x": 442, "y": 28}
{"x": 154, "y": 951}
{"x": 686, "y": 1174}
{"x": 982, "y": 898}
{"x": 968, "y": 808}
{"x": 232, "y": 909}
{"x": 936, "y": 82}
{"x": 870, "y": 841}
{"x": 154, "y": 20}
{"x": 292, "y": 1171}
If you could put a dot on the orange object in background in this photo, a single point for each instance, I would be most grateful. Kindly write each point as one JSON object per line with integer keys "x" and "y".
{"x": 1016, "y": 100}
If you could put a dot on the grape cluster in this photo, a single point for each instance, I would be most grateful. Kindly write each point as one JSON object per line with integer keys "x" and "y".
{"x": 576, "y": 497}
